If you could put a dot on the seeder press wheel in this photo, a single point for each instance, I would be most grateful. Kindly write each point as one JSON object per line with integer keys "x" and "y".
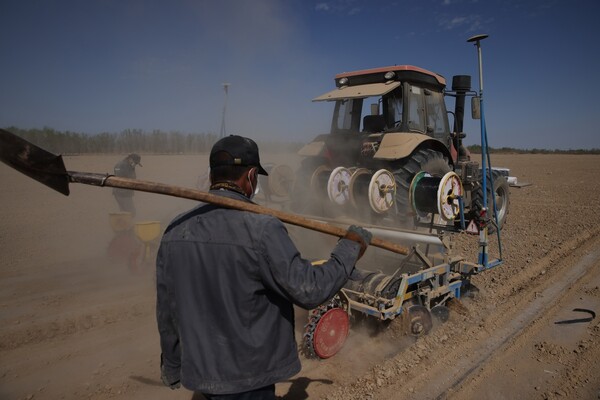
{"x": 419, "y": 321}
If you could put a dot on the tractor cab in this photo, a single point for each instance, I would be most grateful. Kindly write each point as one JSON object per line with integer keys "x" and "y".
{"x": 389, "y": 124}
{"x": 370, "y": 104}
{"x": 389, "y": 99}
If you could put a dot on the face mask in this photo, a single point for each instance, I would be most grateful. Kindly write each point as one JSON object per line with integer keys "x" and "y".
{"x": 254, "y": 190}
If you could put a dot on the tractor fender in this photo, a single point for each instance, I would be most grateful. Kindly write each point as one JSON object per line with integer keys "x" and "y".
{"x": 395, "y": 146}
{"x": 314, "y": 148}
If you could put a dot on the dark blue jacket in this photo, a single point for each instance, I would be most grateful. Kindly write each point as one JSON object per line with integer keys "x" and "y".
{"x": 227, "y": 281}
{"x": 124, "y": 169}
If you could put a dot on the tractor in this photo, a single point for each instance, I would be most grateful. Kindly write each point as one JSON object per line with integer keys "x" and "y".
{"x": 393, "y": 163}
{"x": 390, "y": 129}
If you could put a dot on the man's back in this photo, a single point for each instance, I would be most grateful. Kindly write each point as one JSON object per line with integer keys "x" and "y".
{"x": 226, "y": 284}
{"x": 232, "y": 278}
{"x": 226, "y": 323}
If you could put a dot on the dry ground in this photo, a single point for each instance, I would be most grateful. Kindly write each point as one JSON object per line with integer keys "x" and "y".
{"x": 75, "y": 323}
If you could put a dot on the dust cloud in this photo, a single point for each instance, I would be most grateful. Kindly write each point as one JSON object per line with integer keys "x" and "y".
{"x": 66, "y": 295}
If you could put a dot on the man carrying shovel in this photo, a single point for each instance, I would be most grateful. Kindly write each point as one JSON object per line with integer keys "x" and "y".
{"x": 126, "y": 169}
{"x": 227, "y": 281}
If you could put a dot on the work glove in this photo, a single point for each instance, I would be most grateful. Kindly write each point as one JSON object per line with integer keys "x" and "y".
{"x": 361, "y": 236}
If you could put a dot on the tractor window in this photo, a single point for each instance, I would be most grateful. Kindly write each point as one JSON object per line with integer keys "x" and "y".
{"x": 416, "y": 117}
{"x": 394, "y": 108}
{"x": 346, "y": 116}
{"x": 437, "y": 123}
{"x": 372, "y": 119}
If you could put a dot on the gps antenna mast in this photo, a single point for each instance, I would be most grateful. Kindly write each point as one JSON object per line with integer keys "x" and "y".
{"x": 485, "y": 162}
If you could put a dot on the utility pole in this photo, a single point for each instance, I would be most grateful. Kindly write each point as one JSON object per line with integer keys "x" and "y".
{"x": 223, "y": 133}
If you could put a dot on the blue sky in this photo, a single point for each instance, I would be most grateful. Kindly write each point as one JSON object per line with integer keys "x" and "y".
{"x": 108, "y": 65}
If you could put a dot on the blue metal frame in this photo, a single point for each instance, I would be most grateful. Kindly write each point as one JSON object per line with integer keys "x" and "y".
{"x": 483, "y": 256}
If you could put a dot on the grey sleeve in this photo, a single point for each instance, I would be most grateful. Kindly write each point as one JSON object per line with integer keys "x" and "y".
{"x": 165, "y": 316}
{"x": 285, "y": 271}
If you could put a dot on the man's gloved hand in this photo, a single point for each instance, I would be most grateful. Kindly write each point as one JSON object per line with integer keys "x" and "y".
{"x": 360, "y": 235}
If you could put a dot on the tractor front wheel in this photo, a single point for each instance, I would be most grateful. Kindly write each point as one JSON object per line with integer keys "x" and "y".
{"x": 501, "y": 196}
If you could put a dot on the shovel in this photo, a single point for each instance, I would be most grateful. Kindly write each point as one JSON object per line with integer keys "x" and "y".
{"x": 50, "y": 170}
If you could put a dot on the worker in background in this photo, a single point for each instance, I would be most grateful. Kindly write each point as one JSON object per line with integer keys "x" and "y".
{"x": 126, "y": 169}
{"x": 227, "y": 281}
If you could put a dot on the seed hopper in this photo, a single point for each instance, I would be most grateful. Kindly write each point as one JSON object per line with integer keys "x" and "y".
{"x": 148, "y": 232}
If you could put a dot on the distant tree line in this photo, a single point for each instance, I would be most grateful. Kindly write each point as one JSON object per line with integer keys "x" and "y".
{"x": 129, "y": 141}
{"x": 174, "y": 142}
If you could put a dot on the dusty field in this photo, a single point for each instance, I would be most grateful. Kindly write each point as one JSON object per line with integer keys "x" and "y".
{"x": 77, "y": 323}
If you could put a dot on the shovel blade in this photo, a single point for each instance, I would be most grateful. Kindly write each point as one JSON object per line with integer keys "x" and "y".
{"x": 33, "y": 161}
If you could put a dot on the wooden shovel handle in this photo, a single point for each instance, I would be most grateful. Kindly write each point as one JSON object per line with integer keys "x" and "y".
{"x": 192, "y": 194}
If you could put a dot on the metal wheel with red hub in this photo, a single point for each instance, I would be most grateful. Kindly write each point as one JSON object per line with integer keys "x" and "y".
{"x": 326, "y": 331}
{"x": 331, "y": 333}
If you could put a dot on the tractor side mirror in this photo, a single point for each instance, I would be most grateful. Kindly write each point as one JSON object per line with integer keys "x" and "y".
{"x": 475, "y": 108}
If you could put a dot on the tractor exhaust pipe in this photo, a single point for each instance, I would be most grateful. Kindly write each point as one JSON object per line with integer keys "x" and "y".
{"x": 461, "y": 84}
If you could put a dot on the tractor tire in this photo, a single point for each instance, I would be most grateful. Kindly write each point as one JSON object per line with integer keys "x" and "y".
{"x": 501, "y": 191}
{"x": 430, "y": 161}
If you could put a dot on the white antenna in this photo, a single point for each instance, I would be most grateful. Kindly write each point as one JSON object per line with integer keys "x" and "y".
{"x": 223, "y": 133}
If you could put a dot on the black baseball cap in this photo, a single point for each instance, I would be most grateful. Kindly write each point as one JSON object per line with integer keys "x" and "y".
{"x": 243, "y": 152}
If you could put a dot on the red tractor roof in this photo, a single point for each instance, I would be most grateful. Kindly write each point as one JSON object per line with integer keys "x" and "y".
{"x": 399, "y": 69}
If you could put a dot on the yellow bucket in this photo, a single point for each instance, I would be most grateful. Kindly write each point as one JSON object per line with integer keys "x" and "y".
{"x": 147, "y": 231}
{"x": 120, "y": 221}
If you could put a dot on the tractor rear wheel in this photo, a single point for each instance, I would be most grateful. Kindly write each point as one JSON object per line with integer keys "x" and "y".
{"x": 428, "y": 160}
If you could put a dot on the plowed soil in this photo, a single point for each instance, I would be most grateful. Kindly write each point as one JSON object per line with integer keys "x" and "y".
{"x": 77, "y": 298}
